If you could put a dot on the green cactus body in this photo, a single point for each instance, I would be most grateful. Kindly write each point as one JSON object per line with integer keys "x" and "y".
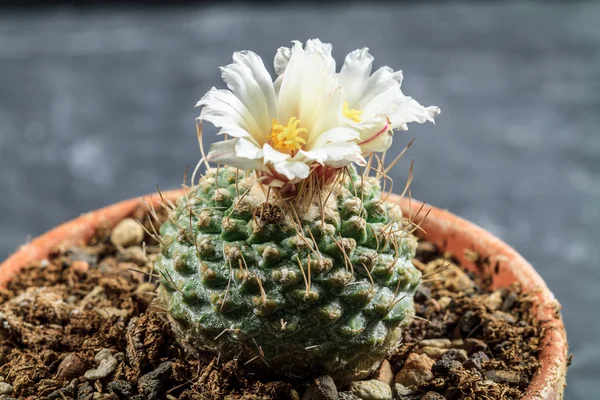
{"x": 329, "y": 295}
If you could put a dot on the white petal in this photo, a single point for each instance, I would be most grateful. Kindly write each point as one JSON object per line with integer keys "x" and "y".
{"x": 309, "y": 93}
{"x": 224, "y": 153}
{"x": 293, "y": 170}
{"x": 313, "y": 48}
{"x": 272, "y": 155}
{"x": 247, "y": 149}
{"x": 251, "y": 83}
{"x": 399, "y": 77}
{"x": 282, "y": 58}
{"x": 411, "y": 111}
{"x": 381, "y": 88}
{"x": 321, "y": 51}
{"x": 338, "y": 134}
{"x": 354, "y": 74}
{"x": 291, "y": 85}
{"x": 378, "y": 138}
{"x": 224, "y": 110}
{"x": 335, "y": 154}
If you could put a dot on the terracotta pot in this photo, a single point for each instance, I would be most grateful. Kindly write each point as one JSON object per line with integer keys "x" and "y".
{"x": 443, "y": 228}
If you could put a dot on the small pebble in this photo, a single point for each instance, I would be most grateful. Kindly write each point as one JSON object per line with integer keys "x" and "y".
{"x": 322, "y": 389}
{"x": 500, "y": 376}
{"x": 80, "y": 254}
{"x": 70, "y": 390}
{"x": 509, "y": 301}
{"x": 294, "y": 394}
{"x": 477, "y": 360}
{"x": 102, "y": 354}
{"x": 440, "y": 343}
{"x": 505, "y": 316}
{"x": 128, "y": 232}
{"x": 134, "y": 254}
{"x": 444, "y": 302}
{"x": 85, "y": 391}
{"x": 95, "y": 295}
{"x": 454, "y": 278}
{"x": 152, "y": 384}
{"x": 422, "y": 294}
{"x": 468, "y": 322}
{"x": 474, "y": 345}
{"x": 493, "y": 301}
{"x": 122, "y": 388}
{"x": 402, "y": 391}
{"x": 459, "y": 355}
{"x": 108, "y": 363}
{"x": 432, "y": 352}
{"x": 80, "y": 266}
{"x": 433, "y": 396}
{"x": 72, "y": 366}
{"x": 347, "y": 396}
{"x": 109, "y": 312}
{"x": 384, "y": 373}
{"x": 5, "y": 388}
{"x": 371, "y": 390}
{"x": 444, "y": 366}
{"x": 416, "y": 371}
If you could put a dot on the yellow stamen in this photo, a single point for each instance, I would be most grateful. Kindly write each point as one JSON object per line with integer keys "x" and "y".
{"x": 351, "y": 113}
{"x": 287, "y": 139}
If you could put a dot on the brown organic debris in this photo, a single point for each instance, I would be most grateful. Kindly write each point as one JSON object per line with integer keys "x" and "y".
{"x": 91, "y": 304}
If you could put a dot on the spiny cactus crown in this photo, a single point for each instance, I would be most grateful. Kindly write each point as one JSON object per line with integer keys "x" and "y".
{"x": 310, "y": 286}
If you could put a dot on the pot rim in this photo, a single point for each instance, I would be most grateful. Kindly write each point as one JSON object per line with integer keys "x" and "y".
{"x": 443, "y": 228}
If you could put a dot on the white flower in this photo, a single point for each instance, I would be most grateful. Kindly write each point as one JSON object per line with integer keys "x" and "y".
{"x": 310, "y": 115}
{"x": 281, "y": 134}
{"x": 373, "y": 103}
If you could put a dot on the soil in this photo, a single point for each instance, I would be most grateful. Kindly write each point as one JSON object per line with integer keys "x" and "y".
{"x": 83, "y": 325}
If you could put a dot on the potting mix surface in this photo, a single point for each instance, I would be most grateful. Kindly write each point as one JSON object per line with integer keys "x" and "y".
{"x": 83, "y": 325}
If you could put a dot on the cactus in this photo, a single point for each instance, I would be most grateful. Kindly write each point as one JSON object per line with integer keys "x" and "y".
{"x": 318, "y": 285}
{"x": 284, "y": 256}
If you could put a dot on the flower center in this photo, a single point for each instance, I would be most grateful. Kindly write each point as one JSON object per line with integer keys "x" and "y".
{"x": 286, "y": 138}
{"x": 351, "y": 113}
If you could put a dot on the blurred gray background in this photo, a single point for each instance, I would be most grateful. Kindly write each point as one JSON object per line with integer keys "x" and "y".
{"x": 97, "y": 105}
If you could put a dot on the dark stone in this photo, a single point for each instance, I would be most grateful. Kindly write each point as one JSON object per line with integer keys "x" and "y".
{"x": 85, "y": 391}
{"x": 160, "y": 372}
{"x": 122, "y": 388}
{"x": 68, "y": 391}
{"x": 456, "y": 355}
{"x": 151, "y": 388}
{"x": 476, "y": 361}
{"x": 422, "y": 294}
{"x": 468, "y": 322}
{"x": 453, "y": 393}
{"x": 474, "y": 345}
{"x": 152, "y": 384}
{"x": 433, "y": 396}
{"x": 444, "y": 366}
{"x": 323, "y": 389}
